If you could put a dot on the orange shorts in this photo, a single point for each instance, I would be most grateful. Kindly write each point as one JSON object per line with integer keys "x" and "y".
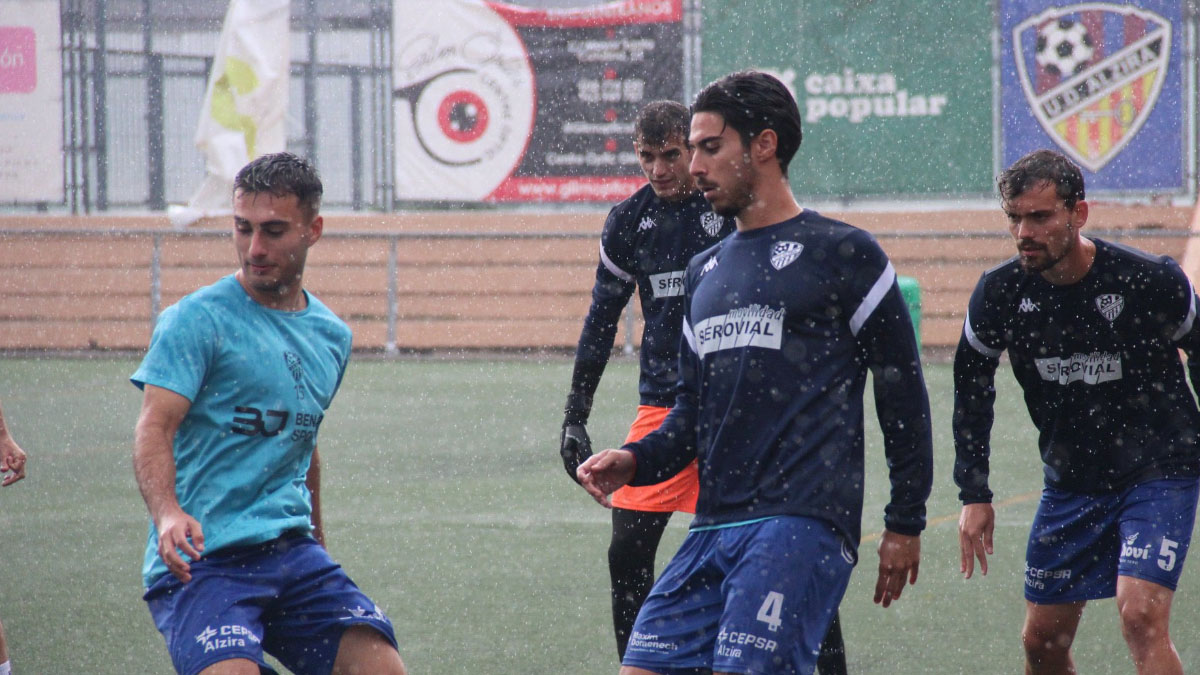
{"x": 677, "y": 493}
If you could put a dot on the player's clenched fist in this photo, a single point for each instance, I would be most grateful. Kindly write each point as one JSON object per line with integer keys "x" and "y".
{"x": 603, "y": 473}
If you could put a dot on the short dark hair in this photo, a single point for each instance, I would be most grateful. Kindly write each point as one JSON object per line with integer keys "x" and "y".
{"x": 1043, "y": 166}
{"x": 752, "y": 101}
{"x": 283, "y": 173}
{"x": 661, "y": 121}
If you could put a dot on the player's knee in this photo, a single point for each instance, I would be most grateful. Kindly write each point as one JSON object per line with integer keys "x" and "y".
{"x": 364, "y": 650}
{"x": 1142, "y": 622}
{"x": 1044, "y": 644}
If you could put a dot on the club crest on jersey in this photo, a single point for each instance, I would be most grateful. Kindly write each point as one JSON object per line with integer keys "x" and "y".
{"x": 1110, "y": 305}
{"x": 293, "y": 363}
{"x": 1092, "y": 73}
{"x": 785, "y": 253}
{"x": 711, "y": 223}
{"x": 646, "y": 224}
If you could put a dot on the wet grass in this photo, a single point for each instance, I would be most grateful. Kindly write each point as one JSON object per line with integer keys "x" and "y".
{"x": 445, "y": 500}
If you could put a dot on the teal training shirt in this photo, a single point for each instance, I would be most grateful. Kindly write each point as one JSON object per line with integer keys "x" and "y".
{"x": 259, "y": 381}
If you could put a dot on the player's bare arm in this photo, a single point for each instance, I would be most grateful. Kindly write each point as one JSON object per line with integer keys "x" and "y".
{"x": 313, "y": 481}
{"x": 154, "y": 467}
{"x": 975, "y": 526}
{"x": 603, "y": 473}
{"x": 12, "y": 457}
{"x": 899, "y": 561}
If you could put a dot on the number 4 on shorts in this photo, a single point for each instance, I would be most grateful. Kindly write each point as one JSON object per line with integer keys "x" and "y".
{"x": 772, "y": 611}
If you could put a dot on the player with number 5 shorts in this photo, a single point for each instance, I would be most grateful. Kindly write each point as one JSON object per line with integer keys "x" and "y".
{"x": 1093, "y": 331}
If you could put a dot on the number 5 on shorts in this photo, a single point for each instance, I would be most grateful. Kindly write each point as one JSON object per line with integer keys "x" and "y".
{"x": 772, "y": 609}
{"x": 1166, "y": 555}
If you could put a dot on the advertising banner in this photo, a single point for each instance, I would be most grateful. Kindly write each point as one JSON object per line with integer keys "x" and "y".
{"x": 1101, "y": 82}
{"x": 31, "y": 151}
{"x": 500, "y": 103}
{"x": 895, "y": 98}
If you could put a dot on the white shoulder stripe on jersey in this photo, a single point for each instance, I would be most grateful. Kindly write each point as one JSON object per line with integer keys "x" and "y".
{"x": 689, "y": 336}
{"x": 612, "y": 267}
{"x": 1191, "y": 316}
{"x": 974, "y": 341}
{"x": 882, "y": 285}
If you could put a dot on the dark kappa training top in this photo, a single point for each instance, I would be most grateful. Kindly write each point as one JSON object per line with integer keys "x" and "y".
{"x": 1099, "y": 363}
{"x": 646, "y": 242}
{"x": 782, "y": 324}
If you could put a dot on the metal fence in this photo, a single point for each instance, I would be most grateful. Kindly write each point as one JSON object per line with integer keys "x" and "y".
{"x": 72, "y": 284}
{"x": 130, "y": 110}
{"x": 134, "y": 286}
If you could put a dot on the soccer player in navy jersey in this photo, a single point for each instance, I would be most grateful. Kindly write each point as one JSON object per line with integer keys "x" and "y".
{"x": 1093, "y": 331}
{"x": 782, "y": 322}
{"x": 647, "y": 242}
{"x": 236, "y": 383}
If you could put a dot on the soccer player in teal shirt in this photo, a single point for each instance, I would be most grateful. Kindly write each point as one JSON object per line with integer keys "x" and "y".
{"x": 237, "y": 380}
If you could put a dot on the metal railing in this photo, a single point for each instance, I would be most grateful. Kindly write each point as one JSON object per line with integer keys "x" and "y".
{"x": 392, "y": 241}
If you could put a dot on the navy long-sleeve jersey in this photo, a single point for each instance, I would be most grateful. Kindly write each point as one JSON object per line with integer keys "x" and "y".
{"x": 1099, "y": 364}
{"x": 781, "y": 326}
{"x": 646, "y": 244}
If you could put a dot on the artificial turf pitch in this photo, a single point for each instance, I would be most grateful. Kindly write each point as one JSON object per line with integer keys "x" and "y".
{"x": 445, "y": 500}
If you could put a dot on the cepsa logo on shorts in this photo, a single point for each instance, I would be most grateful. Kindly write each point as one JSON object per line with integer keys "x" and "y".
{"x": 18, "y": 60}
{"x": 226, "y": 637}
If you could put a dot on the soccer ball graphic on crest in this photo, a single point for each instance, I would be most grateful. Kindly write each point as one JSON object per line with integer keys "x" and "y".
{"x": 1064, "y": 47}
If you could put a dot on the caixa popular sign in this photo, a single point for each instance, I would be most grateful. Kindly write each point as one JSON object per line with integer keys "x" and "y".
{"x": 1098, "y": 80}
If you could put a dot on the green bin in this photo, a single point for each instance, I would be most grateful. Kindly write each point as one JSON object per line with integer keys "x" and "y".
{"x": 911, "y": 290}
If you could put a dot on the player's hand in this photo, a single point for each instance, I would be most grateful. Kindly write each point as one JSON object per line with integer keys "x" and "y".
{"x": 575, "y": 447}
{"x": 12, "y": 462}
{"x": 899, "y": 560}
{"x": 975, "y": 526}
{"x": 603, "y": 473}
{"x": 177, "y": 532}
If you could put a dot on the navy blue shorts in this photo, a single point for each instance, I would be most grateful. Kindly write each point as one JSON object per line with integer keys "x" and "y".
{"x": 1079, "y": 544}
{"x": 753, "y": 598}
{"x": 286, "y": 597}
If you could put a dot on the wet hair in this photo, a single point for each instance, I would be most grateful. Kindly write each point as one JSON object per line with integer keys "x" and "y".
{"x": 661, "y": 121}
{"x": 751, "y": 102}
{"x": 1043, "y": 166}
{"x": 280, "y": 174}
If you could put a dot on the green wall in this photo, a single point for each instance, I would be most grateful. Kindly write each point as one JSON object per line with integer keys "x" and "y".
{"x": 895, "y": 97}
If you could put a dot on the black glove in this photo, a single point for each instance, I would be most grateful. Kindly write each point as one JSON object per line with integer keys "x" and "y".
{"x": 575, "y": 447}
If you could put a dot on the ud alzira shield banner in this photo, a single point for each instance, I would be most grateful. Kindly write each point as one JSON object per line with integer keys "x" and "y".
{"x": 1100, "y": 82}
